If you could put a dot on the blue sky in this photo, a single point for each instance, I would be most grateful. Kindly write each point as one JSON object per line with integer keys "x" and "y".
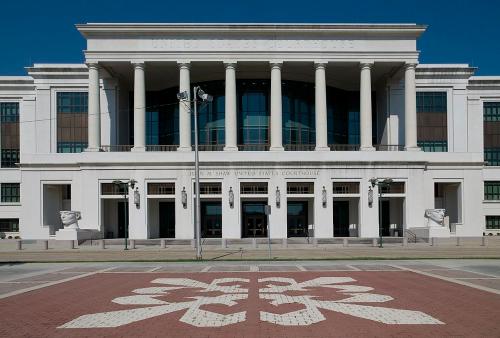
{"x": 460, "y": 31}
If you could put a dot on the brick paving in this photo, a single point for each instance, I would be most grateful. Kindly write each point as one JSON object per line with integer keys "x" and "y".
{"x": 343, "y": 304}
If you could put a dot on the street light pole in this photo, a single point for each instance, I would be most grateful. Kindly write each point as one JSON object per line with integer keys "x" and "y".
{"x": 380, "y": 182}
{"x": 197, "y": 214}
{"x": 125, "y": 186}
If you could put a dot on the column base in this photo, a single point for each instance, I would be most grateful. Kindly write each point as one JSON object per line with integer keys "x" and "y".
{"x": 276, "y": 149}
{"x": 367, "y": 148}
{"x": 230, "y": 148}
{"x": 185, "y": 149}
{"x": 138, "y": 149}
{"x": 322, "y": 148}
{"x": 413, "y": 149}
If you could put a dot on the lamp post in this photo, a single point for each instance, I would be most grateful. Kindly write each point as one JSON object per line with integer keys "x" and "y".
{"x": 130, "y": 183}
{"x": 184, "y": 97}
{"x": 380, "y": 182}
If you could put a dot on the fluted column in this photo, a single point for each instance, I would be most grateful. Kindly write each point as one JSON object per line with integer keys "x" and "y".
{"x": 184, "y": 108}
{"x": 410, "y": 108}
{"x": 139, "y": 107}
{"x": 94, "y": 109}
{"x": 365, "y": 107}
{"x": 276, "y": 107}
{"x": 230, "y": 108}
{"x": 321, "y": 110}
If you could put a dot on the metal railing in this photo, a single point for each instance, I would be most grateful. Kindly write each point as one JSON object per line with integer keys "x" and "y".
{"x": 411, "y": 236}
{"x": 299, "y": 147}
{"x": 210, "y": 147}
{"x": 253, "y": 147}
{"x": 389, "y": 147}
{"x": 161, "y": 147}
{"x": 117, "y": 148}
{"x": 344, "y": 147}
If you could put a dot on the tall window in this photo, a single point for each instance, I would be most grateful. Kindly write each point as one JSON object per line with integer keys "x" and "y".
{"x": 298, "y": 115}
{"x": 343, "y": 118}
{"x": 211, "y": 117}
{"x": 492, "y": 222}
{"x": 10, "y": 193}
{"x": 491, "y": 117}
{"x": 254, "y": 113}
{"x": 432, "y": 127}
{"x": 72, "y": 120}
{"x": 9, "y": 142}
{"x": 492, "y": 190}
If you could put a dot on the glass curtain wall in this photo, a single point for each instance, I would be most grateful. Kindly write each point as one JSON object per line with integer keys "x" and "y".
{"x": 299, "y": 132}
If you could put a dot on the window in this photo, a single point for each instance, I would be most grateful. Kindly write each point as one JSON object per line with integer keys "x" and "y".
{"x": 210, "y": 188}
{"x": 161, "y": 188}
{"x": 114, "y": 189}
{"x": 298, "y": 115}
{"x": 346, "y": 187}
{"x": 492, "y": 190}
{"x": 9, "y": 131}
{"x": 491, "y": 125}
{"x": 393, "y": 188}
{"x": 300, "y": 188}
{"x": 72, "y": 120}
{"x": 492, "y": 222}
{"x": 253, "y": 188}
{"x": 9, "y": 225}
{"x": 254, "y": 113}
{"x": 432, "y": 133}
{"x": 10, "y": 192}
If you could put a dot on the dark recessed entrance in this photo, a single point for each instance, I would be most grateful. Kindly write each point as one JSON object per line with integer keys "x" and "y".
{"x": 340, "y": 218}
{"x": 122, "y": 211}
{"x": 166, "y": 219}
{"x": 211, "y": 219}
{"x": 297, "y": 218}
{"x": 254, "y": 219}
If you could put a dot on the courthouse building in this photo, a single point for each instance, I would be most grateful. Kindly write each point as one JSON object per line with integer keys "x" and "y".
{"x": 336, "y": 126}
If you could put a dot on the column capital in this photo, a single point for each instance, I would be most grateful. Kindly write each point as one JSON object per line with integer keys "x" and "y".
{"x": 138, "y": 64}
{"x": 276, "y": 64}
{"x": 410, "y": 65}
{"x": 93, "y": 65}
{"x": 320, "y": 64}
{"x": 366, "y": 64}
{"x": 184, "y": 64}
{"x": 230, "y": 64}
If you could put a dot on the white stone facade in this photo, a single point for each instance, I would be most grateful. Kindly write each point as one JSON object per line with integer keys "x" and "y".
{"x": 379, "y": 61}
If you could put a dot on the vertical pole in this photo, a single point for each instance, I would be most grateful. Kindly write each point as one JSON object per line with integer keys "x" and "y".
{"x": 125, "y": 214}
{"x": 269, "y": 234}
{"x": 379, "y": 217}
{"x": 197, "y": 176}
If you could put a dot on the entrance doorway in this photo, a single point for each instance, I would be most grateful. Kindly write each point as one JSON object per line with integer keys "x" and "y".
{"x": 114, "y": 217}
{"x": 391, "y": 216}
{"x": 340, "y": 218}
{"x": 297, "y": 218}
{"x": 254, "y": 219}
{"x": 122, "y": 218}
{"x": 166, "y": 221}
{"x": 211, "y": 219}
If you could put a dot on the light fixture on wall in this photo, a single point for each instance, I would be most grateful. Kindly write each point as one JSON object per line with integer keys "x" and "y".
{"x": 323, "y": 197}
{"x": 184, "y": 197}
{"x": 231, "y": 197}
{"x": 137, "y": 197}
{"x": 278, "y": 197}
{"x": 370, "y": 197}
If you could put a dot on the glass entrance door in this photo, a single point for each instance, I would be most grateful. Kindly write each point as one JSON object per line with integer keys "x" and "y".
{"x": 211, "y": 219}
{"x": 297, "y": 218}
{"x": 122, "y": 218}
{"x": 254, "y": 219}
{"x": 167, "y": 219}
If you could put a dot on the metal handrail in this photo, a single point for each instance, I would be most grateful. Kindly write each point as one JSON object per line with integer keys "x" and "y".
{"x": 210, "y": 147}
{"x": 161, "y": 147}
{"x": 253, "y": 147}
{"x": 117, "y": 148}
{"x": 411, "y": 236}
{"x": 389, "y": 147}
{"x": 344, "y": 147}
{"x": 299, "y": 147}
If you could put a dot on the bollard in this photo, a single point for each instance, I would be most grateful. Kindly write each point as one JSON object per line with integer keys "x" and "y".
{"x": 345, "y": 242}
{"x": 254, "y": 243}
{"x": 433, "y": 241}
{"x": 484, "y": 241}
{"x": 103, "y": 244}
{"x": 193, "y": 243}
{"x": 405, "y": 241}
{"x": 458, "y": 241}
{"x": 132, "y": 244}
{"x": 374, "y": 242}
{"x": 224, "y": 243}
{"x": 284, "y": 242}
{"x": 315, "y": 241}
{"x": 19, "y": 244}
{"x": 163, "y": 244}
{"x": 71, "y": 244}
{"x": 45, "y": 245}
